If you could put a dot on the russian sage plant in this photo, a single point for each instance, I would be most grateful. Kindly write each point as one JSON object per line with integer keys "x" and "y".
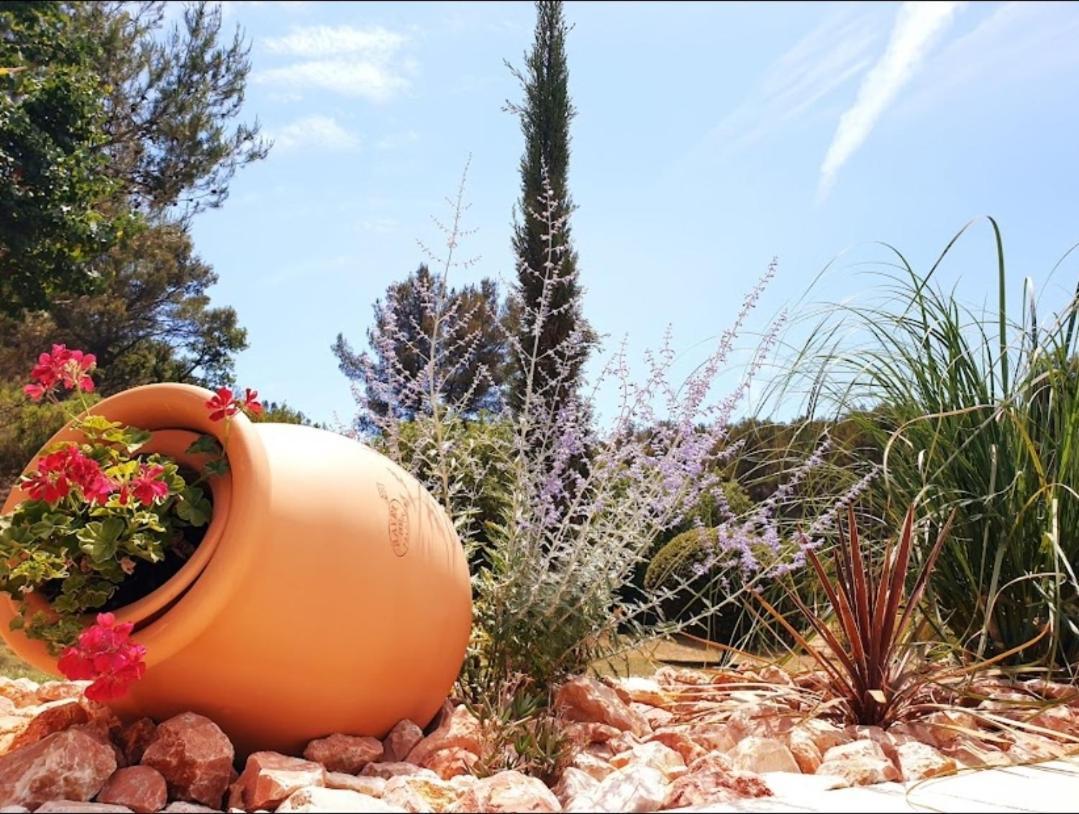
{"x": 579, "y": 506}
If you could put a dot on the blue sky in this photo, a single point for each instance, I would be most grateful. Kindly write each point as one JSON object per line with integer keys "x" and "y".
{"x": 709, "y": 138}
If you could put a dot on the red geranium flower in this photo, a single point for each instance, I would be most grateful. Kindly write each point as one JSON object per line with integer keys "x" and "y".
{"x": 58, "y": 471}
{"x": 222, "y": 405}
{"x": 148, "y": 486}
{"x": 251, "y": 403}
{"x": 70, "y": 368}
{"x": 104, "y": 655}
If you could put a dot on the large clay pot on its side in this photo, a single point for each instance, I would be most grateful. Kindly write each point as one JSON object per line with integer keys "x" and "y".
{"x": 330, "y": 592}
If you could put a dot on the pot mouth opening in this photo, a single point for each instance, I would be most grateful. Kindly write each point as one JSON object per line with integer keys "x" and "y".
{"x": 199, "y": 587}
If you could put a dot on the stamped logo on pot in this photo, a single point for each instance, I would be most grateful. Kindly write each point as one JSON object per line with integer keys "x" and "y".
{"x": 397, "y": 528}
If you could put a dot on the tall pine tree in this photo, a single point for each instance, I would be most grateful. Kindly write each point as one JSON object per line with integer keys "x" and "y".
{"x": 561, "y": 346}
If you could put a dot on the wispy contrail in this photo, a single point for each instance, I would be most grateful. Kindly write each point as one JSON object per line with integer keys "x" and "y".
{"x": 917, "y": 26}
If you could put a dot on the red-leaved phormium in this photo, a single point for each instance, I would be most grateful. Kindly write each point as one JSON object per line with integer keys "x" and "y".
{"x": 105, "y": 655}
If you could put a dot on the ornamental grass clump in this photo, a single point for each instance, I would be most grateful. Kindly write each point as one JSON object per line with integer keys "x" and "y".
{"x": 104, "y": 523}
{"x": 975, "y": 412}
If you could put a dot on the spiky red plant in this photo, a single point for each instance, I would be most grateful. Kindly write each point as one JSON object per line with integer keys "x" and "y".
{"x": 868, "y": 661}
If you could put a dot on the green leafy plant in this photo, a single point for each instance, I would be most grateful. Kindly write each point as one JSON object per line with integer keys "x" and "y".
{"x": 872, "y": 672}
{"x": 105, "y": 523}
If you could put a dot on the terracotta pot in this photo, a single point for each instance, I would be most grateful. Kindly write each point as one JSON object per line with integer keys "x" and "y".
{"x": 329, "y": 594}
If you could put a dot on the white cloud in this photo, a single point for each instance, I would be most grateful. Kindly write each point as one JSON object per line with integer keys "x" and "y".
{"x": 917, "y": 27}
{"x": 362, "y": 62}
{"x": 793, "y": 85}
{"x": 323, "y": 40}
{"x": 1017, "y": 42}
{"x": 363, "y": 78}
{"x": 314, "y": 133}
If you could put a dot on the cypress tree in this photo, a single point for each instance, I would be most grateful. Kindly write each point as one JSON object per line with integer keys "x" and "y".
{"x": 545, "y": 116}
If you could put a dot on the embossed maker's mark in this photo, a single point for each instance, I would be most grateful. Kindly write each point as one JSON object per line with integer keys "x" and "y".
{"x": 398, "y": 526}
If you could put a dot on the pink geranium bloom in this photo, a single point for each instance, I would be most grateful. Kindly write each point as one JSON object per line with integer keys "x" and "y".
{"x": 104, "y": 655}
{"x": 69, "y": 368}
{"x": 251, "y": 403}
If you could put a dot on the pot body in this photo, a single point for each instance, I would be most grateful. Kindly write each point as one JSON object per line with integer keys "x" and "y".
{"x": 336, "y": 599}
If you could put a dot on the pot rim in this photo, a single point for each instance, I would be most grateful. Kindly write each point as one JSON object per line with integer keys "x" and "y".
{"x": 161, "y": 408}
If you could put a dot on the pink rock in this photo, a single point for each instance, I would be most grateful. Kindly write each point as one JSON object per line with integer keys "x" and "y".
{"x": 269, "y": 778}
{"x": 344, "y": 753}
{"x": 859, "y": 762}
{"x": 140, "y": 788}
{"x": 317, "y": 798}
{"x": 575, "y": 790}
{"x": 419, "y": 794}
{"x": 181, "y": 807}
{"x": 509, "y": 792}
{"x": 592, "y": 766}
{"x": 920, "y": 760}
{"x": 388, "y": 770}
{"x": 68, "y": 765}
{"x": 134, "y": 738}
{"x": 634, "y": 788}
{"x": 400, "y": 741}
{"x": 585, "y": 699}
{"x": 61, "y": 690}
{"x": 458, "y": 730}
{"x": 373, "y": 786}
{"x": 805, "y": 750}
{"x": 51, "y": 717}
{"x": 680, "y": 741}
{"x": 713, "y": 737}
{"x": 447, "y": 763}
{"x": 653, "y": 754}
{"x": 763, "y": 755}
{"x": 713, "y": 781}
{"x": 643, "y": 691}
{"x": 585, "y": 734}
{"x": 78, "y": 807}
{"x": 22, "y": 692}
{"x": 194, "y": 756}
{"x": 655, "y": 716}
{"x": 824, "y": 734}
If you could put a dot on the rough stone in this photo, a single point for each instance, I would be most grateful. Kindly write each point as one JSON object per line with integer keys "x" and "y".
{"x": 22, "y": 692}
{"x": 575, "y": 790}
{"x": 400, "y": 741}
{"x": 509, "y": 792}
{"x": 388, "y": 770}
{"x": 592, "y": 766}
{"x": 140, "y": 788}
{"x": 859, "y": 762}
{"x": 713, "y": 781}
{"x": 79, "y": 806}
{"x": 419, "y": 794}
{"x": 134, "y": 738}
{"x": 805, "y": 750}
{"x": 643, "y": 691}
{"x": 920, "y": 760}
{"x": 755, "y": 754}
{"x": 364, "y": 785}
{"x": 269, "y": 778}
{"x": 585, "y": 699}
{"x": 678, "y": 740}
{"x": 318, "y": 798}
{"x": 458, "y": 730}
{"x": 344, "y": 753}
{"x": 51, "y": 717}
{"x": 654, "y": 754}
{"x": 585, "y": 734}
{"x": 194, "y": 756}
{"x": 182, "y": 807}
{"x": 634, "y": 788}
{"x": 68, "y": 765}
{"x": 447, "y": 763}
